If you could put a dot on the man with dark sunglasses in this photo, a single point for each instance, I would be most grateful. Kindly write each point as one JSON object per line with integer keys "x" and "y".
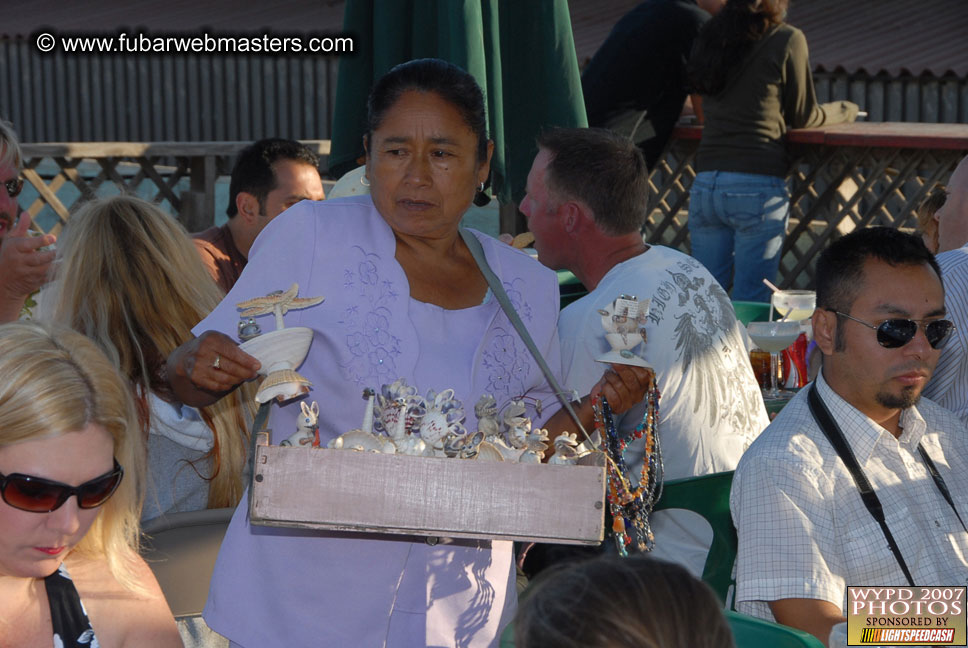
{"x": 805, "y": 531}
{"x": 949, "y": 384}
{"x": 23, "y": 266}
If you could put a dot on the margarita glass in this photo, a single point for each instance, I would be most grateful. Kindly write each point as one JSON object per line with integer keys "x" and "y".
{"x": 773, "y": 337}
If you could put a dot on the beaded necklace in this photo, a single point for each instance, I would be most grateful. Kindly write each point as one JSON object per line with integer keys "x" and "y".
{"x": 630, "y": 505}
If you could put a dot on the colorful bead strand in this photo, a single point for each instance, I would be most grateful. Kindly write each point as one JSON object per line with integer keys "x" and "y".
{"x": 631, "y": 506}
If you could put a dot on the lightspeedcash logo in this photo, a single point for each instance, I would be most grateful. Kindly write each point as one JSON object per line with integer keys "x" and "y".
{"x": 913, "y": 616}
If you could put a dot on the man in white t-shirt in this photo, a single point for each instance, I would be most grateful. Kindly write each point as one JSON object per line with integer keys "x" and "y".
{"x": 586, "y": 205}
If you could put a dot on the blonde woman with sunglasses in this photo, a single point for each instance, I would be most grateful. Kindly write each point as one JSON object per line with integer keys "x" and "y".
{"x": 71, "y": 482}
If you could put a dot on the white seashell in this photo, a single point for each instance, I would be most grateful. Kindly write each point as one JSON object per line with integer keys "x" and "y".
{"x": 594, "y": 458}
{"x": 592, "y": 444}
{"x": 507, "y": 452}
{"x": 280, "y": 349}
{"x": 414, "y": 446}
{"x": 530, "y": 457}
{"x": 282, "y": 385}
{"x": 488, "y": 452}
{"x": 362, "y": 441}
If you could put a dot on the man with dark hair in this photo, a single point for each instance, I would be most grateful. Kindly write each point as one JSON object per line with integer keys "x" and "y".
{"x": 636, "y": 82}
{"x": 23, "y": 265}
{"x": 269, "y": 177}
{"x": 949, "y": 384}
{"x": 586, "y": 204}
{"x": 805, "y": 532}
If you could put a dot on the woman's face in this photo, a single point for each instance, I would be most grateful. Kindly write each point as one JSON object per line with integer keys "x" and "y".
{"x": 33, "y": 545}
{"x": 423, "y": 167}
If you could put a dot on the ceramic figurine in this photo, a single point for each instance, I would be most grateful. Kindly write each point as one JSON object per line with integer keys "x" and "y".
{"x": 280, "y": 351}
{"x": 624, "y": 323}
{"x": 248, "y": 329}
{"x": 463, "y": 446}
{"x": 444, "y": 415}
{"x": 409, "y": 424}
{"x": 278, "y": 303}
{"x": 368, "y": 396}
{"x": 569, "y": 451}
{"x": 517, "y": 424}
{"x": 307, "y": 427}
{"x": 405, "y": 442}
{"x": 386, "y": 409}
{"x": 486, "y": 411}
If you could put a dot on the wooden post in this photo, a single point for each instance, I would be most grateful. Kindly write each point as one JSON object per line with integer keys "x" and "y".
{"x": 198, "y": 206}
{"x": 510, "y": 220}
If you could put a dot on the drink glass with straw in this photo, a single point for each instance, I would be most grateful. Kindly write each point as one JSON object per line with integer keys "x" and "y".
{"x": 775, "y": 336}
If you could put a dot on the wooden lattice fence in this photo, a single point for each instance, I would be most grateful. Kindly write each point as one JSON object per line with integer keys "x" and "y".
{"x": 179, "y": 176}
{"x": 841, "y": 178}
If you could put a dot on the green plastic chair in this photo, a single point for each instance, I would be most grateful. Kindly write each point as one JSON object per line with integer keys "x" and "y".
{"x": 708, "y": 495}
{"x": 569, "y": 287}
{"x": 749, "y": 311}
{"x": 750, "y": 632}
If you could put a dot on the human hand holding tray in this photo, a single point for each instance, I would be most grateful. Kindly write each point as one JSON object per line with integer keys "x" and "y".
{"x": 397, "y": 493}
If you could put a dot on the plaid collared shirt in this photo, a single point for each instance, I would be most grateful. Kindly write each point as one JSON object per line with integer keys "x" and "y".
{"x": 804, "y": 531}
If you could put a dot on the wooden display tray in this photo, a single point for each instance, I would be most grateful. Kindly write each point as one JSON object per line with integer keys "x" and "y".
{"x": 342, "y": 490}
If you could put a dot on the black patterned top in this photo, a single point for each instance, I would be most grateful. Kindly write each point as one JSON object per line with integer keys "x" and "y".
{"x": 72, "y": 629}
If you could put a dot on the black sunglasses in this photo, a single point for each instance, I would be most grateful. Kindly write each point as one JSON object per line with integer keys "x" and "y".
{"x": 14, "y": 187}
{"x": 895, "y": 333}
{"x": 39, "y": 495}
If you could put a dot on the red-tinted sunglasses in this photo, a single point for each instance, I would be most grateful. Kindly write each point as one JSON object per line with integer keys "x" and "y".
{"x": 14, "y": 187}
{"x": 39, "y": 495}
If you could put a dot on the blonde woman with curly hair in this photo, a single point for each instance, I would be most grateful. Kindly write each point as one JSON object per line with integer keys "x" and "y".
{"x": 71, "y": 483}
{"x": 129, "y": 277}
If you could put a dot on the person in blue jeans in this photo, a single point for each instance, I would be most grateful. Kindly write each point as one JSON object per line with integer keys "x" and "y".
{"x": 752, "y": 72}
{"x": 738, "y": 222}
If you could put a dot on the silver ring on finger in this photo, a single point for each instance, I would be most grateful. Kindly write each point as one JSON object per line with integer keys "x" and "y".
{"x": 218, "y": 362}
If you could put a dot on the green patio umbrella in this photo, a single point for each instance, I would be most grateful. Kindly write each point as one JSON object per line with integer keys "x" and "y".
{"x": 521, "y": 52}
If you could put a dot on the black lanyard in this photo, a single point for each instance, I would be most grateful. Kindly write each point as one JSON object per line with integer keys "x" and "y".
{"x": 836, "y": 437}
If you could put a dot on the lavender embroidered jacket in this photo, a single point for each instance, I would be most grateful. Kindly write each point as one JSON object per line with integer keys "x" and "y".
{"x": 276, "y": 587}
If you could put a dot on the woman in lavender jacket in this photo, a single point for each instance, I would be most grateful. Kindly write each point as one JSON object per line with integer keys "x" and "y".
{"x": 403, "y": 299}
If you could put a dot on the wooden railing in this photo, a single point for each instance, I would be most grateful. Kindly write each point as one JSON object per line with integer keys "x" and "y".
{"x": 180, "y": 176}
{"x": 842, "y": 177}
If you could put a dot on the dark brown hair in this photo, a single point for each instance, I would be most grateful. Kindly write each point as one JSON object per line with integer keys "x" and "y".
{"x": 724, "y": 41}
{"x": 603, "y": 170}
{"x": 453, "y": 84}
{"x": 611, "y": 601}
